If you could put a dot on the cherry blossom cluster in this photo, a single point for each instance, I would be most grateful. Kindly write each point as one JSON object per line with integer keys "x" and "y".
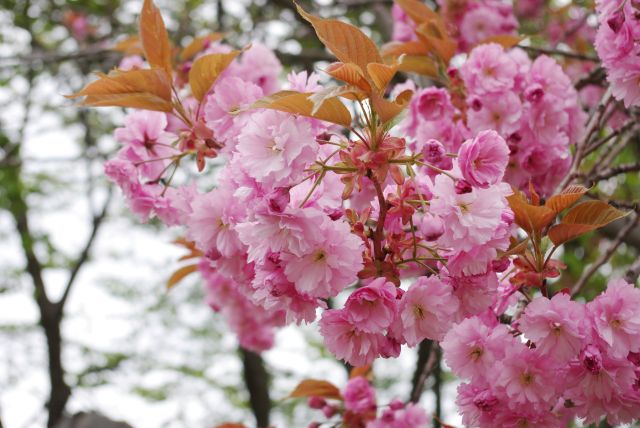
{"x": 358, "y": 408}
{"x": 469, "y": 22}
{"x": 409, "y": 226}
{"x": 531, "y": 104}
{"x": 560, "y": 360}
{"x": 618, "y": 46}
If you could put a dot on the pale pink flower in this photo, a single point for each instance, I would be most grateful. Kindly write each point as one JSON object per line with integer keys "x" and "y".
{"x": 472, "y": 349}
{"x": 472, "y": 218}
{"x": 427, "y": 310}
{"x": 222, "y": 108}
{"x": 616, "y": 317}
{"x": 500, "y": 112}
{"x": 275, "y": 148}
{"x": 211, "y": 224}
{"x": 597, "y": 384}
{"x": 294, "y": 231}
{"x": 555, "y": 326}
{"x": 146, "y": 142}
{"x": 526, "y": 377}
{"x": 488, "y": 70}
{"x": 260, "y": 66}
{"x": 478, "y": 404}
{"x": 331, "y": 263}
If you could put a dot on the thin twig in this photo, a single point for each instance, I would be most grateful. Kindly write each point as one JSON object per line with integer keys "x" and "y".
{"x": 84, "y": 254}
{"x": 605, "y": 256}
{"x": 615, "y": 170}
{"x": 592, "y": 125}
{"x": 558, "y": 52}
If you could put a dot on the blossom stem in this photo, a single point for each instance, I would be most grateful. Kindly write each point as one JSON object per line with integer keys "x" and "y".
{"x": 378, "y": 236}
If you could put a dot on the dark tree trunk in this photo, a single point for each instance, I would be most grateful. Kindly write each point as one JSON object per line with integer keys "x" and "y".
{"x": 60, "y": 391}
{"x": 256, "y": 379}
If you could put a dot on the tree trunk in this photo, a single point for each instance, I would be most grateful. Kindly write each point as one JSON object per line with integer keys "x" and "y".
{"x": 256, "y": 379}
{"x": 60, "y": 391}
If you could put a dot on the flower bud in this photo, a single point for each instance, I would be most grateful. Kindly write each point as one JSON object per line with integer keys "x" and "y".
{"x": 316, "y": 402}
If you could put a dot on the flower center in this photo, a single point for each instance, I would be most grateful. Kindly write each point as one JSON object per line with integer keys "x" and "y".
{"x": 319, "y": 256}
{"x": 526, "y": 378}
{"x": 418, "y": 311}
{"x": 476, "y": 353}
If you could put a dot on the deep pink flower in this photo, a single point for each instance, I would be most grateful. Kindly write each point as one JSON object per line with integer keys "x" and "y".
{"x": 373, "y": 307}
{"x": 483, "y": 160}
{"x": 359, "y": 396}
{"x": 346, "y": 341}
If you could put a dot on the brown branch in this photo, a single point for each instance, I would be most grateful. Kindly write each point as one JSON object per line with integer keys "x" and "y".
{"x": 615, "y": 170}
{"x": 256, "y": 379}
{"x": 378, "y": 235}
{"x": 84, "y": 254}
{"x": 604, "y": 257}
{"x": 595, "y": 77}
{"x": 56, "y": 57}
{"x": 618, "y": 132}
{"x": 592, "y": 125}
{"x": 633, "y": 272}
{"x": 567, "y": 54}
{"x": 427, "y": 359}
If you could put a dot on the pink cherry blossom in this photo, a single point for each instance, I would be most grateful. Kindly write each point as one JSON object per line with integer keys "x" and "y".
{"x": 373, "y": 307}
{"x": 484, "y": 159}
{"x": 488, "y": 70}
{"x": 555, "y": 326}
{"x": 427, "y": 310}
{"x": 616, "y": 317}
{"x": 359, "y": 396}
{"x": 346, "y": 341}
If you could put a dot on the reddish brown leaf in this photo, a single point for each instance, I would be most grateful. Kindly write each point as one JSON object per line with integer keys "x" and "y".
{"x": 331, "y": 110}
{"x": 507, "y": 41}
{"x": 381, "y": 74}
{"x": 129, "y": 46}
{"x": 346, "y": 42}
{"x": 180, "y": 274}
{"x": 364, "y": 371}
{"x": 417, "y": 11}
{"x": 143, "y": 89}
{"x": 388, "y": 110}
{"x": 566, "y": 198}
{"x": 437, "y": 41}
{"x": 206, "y": 70}
{"x": 316, "y": 388}
{"x": 418, "y": 64}
{"x": 154, "y": 37}
{"x": 529, "y": 217}
{"x": 349, "y": 73}
{"x": 396, "y": 49}
{"x": 584, "y": 218}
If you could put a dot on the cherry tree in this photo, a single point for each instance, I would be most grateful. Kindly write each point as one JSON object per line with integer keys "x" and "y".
{"x": 425, "y": 197}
